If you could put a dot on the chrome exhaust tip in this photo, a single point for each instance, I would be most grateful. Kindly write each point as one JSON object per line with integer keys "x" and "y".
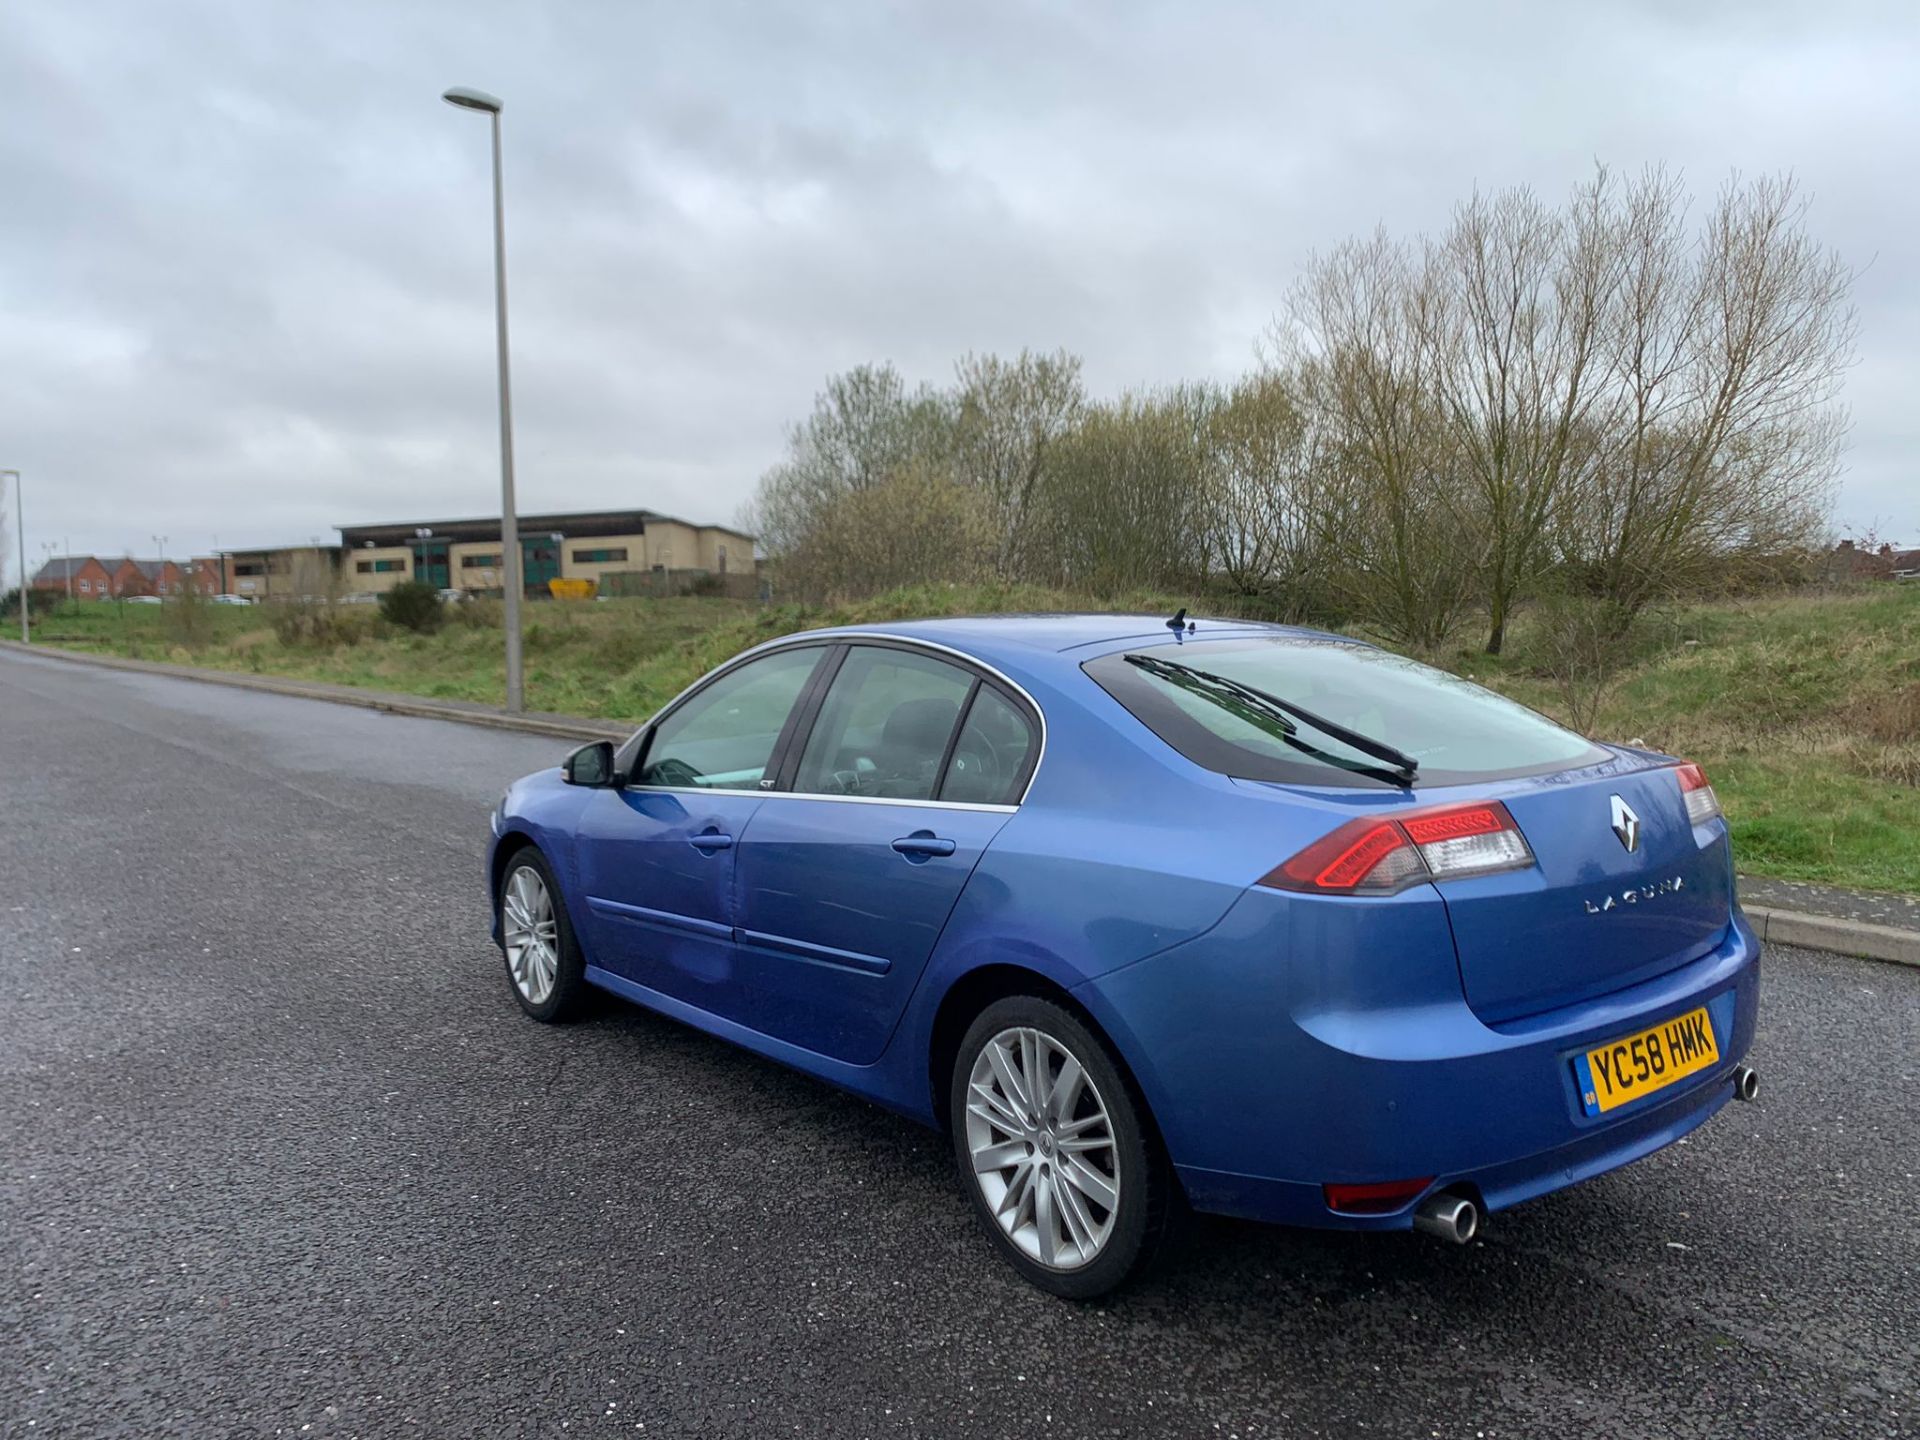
{"x": 1746, "y": 1083}
{"x": 1452, "y": 1218}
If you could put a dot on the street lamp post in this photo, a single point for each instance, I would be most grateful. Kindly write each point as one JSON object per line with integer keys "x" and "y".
{"x": 509, "y": 522}
{"x": 20, "y": 523}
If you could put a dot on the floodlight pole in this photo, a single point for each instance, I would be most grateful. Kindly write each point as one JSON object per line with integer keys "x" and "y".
{"x": 20, "y": 524}
{"x": 509, "y": 521}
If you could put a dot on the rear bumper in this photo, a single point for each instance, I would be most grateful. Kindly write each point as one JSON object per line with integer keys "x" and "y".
{"x": 1270, "y": 1079}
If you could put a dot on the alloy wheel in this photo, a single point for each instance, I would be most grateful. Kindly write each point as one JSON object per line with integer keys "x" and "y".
{"x": 1042, "y": 1146}
{"x": 532, "y": 935}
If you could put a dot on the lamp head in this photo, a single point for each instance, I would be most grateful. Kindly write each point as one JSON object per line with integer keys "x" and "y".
{"x": 469, "y": 99}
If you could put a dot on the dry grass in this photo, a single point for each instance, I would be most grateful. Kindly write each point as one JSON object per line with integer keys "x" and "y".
{"x": 1804, "y": 708}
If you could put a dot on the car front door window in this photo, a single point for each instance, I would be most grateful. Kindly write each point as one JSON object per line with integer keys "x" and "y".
{"x": 723, "y": 737}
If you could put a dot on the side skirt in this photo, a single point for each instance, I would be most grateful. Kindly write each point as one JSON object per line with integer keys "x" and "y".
{"x": 869, "y": 1082}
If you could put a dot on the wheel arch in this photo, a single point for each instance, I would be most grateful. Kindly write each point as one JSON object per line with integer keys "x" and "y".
{"x": 510, "y": 844}
{"x": 978, "y": 988}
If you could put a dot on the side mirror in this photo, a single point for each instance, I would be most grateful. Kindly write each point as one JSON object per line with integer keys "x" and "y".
{"x": 590, "y": 765}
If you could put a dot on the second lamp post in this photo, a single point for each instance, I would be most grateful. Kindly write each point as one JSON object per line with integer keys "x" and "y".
{"x": 509, "y": 523}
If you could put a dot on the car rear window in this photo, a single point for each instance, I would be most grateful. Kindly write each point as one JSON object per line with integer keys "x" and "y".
{"x": 1458, "y": 731}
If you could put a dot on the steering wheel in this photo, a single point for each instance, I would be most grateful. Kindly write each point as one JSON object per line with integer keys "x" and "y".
{"x": 977, "y": 759}
{"x": 673, "y": 771}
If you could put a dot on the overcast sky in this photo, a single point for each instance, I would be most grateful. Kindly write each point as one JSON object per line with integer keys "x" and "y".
{"x": 247, "y": 270}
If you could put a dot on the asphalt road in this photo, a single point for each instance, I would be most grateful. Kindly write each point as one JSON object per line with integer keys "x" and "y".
{"x": 282, "y": 1157}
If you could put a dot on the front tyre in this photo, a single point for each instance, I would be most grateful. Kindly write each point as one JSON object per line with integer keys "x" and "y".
{"x": 1053, "y": 1151}
{"x": 544, "y": 964}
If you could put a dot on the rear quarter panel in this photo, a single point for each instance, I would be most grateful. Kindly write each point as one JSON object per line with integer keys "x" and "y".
{"x": 1121, "y": 850}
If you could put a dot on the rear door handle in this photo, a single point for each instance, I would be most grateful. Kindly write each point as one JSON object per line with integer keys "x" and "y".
{"x": 922, "y": 845}
{"x": 710, "y": 841}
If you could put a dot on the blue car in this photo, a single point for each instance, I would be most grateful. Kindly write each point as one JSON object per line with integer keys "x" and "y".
{"x": 1151, "y": 914}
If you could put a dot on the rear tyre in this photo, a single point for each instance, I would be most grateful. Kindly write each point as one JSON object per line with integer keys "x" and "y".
{"x": 1064, "y": 1174}
{"x": 545, "y": 969}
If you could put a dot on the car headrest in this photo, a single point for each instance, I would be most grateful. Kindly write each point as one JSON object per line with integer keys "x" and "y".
{"x": 919, "y": 725}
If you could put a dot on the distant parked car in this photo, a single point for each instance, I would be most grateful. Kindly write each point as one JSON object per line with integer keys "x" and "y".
{"x": 452, "y": 596}
{"x": 362, "y": 597}
{"x": 231, "y": 600}
{"x": 141, "y": 599}
{"x": 1264, "y": 919}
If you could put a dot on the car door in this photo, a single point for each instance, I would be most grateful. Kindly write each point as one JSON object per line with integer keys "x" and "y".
{"x": 847, "y": 876}
{"x": 657, "y": 855}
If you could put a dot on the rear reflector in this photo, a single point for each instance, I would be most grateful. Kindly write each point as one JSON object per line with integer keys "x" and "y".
{"x": 1702, "y": 803}
{"x": 1378, "y": 856}
{"x": 1380, "y": 1198}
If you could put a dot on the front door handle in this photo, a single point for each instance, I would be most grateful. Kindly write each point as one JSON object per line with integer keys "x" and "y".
{"x": 922, "y": 844}
{"x": 709, "y": 841}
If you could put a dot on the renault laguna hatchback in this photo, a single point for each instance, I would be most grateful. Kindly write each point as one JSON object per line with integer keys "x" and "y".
{"x": 1152, "y": 914}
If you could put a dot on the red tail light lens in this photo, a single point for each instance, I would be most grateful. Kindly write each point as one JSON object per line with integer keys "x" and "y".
{"x": 1378, "y": 856}
{"x": 1702, "y": 803}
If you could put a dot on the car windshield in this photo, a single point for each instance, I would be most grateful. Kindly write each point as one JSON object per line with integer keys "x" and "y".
{"x": 1456, "y": 730}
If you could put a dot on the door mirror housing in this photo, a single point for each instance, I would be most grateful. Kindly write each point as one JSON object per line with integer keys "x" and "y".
{"x": 591, "y": 765}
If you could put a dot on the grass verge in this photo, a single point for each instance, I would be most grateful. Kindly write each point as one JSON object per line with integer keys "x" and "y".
{"x": 1804, "y": 708}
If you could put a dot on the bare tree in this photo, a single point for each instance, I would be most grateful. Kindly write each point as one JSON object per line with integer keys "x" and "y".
{"x": 1120, "y": 506}
{"x": 1264, "y": 488}
{"x": 865, "y": 427}
{"x": 918, "y": 526}
{"x": 1393, "y": 512}
{"x": 1008, "y": 417}
{"x": 1512, "y": 326}
{"x": 1725, "y": 353}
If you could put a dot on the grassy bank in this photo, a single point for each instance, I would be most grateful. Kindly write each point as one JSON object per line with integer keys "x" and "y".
{"x": 1805, "y": 709}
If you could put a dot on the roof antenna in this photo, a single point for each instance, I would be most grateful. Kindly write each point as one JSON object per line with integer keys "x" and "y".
{"x": 1179, "y": 621}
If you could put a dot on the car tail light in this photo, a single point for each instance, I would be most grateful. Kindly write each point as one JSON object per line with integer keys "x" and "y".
{"x": 1702, "y": 803}
{"x": 1378, "y": 856}
{"x": 1379, "y": 1198}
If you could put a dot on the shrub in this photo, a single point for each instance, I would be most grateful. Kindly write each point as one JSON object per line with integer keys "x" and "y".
{"x": 477, "y": 612}
{"x": 322, "y": 627}
{"x": 413, "y": 605}
{"x": 42, "y": 602}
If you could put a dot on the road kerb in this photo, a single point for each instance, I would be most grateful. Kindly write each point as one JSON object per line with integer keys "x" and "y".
{"x": 559, "y": 727}
{"x": 1831, "y": 932}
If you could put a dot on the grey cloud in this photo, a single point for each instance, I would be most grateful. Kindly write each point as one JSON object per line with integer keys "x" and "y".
{"x": 247, "y": 274}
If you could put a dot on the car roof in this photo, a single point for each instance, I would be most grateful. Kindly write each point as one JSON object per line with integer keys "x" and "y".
{"x": 1033, "y": 639}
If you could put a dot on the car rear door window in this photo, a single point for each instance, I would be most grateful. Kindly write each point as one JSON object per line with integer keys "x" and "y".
{"x": 1458, "y": 731}
{"x": 990, "y": 756}
{"x": 883, "y": 729}
{"x": 724, "y": 735}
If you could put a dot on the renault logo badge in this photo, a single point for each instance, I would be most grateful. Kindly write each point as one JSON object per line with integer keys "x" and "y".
{"x": 1626, "y": 824}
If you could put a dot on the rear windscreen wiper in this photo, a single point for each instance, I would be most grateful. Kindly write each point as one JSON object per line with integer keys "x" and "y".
{"x": 1285, "y": 711}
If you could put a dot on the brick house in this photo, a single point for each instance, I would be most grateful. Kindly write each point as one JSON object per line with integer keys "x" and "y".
{"x": 1858, "y": 562}
{"x": 133, "y": 576}
{"x": 90, "y": 579}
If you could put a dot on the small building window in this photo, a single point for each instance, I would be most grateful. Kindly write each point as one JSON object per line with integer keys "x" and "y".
{"x": 248, "y": 567}
{"x": 479, "y": 562}
{"x": 378, "y": 567}
{"x": 600, "y": 557}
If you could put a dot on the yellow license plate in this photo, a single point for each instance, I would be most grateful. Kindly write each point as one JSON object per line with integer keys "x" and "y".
{"x": 1621, "y": 1071}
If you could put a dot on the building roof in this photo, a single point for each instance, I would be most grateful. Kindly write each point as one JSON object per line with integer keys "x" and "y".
{"x": 273, "y": 550}
{"x": 574, "y": 525}
{"x": 61, "y": 568}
